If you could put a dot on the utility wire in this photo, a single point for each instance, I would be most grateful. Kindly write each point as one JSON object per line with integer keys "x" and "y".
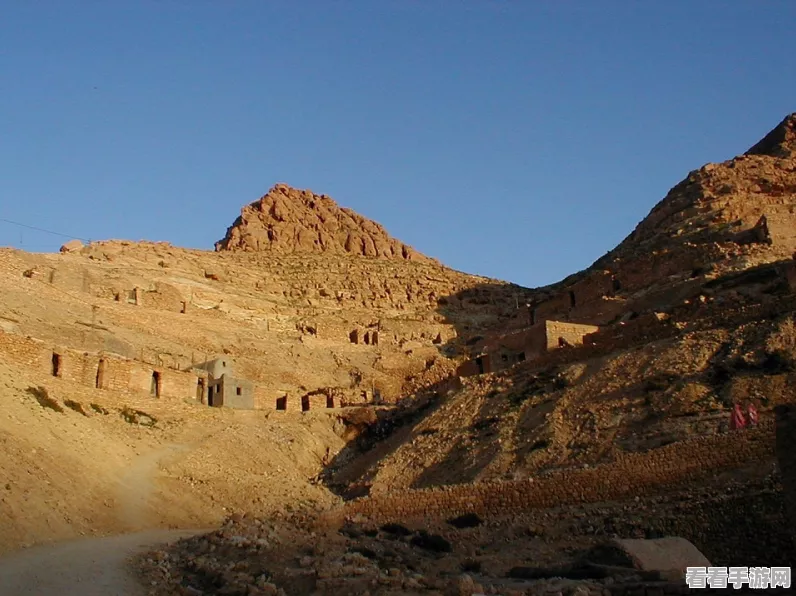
{"x": 21, "y": 225}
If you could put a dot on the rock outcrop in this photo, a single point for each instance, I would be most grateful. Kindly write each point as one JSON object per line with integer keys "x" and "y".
{"x": 72, "y": 246}
{"x": 780, "y": 142}
{"x": 737, "y": 202}
{"x": 722, "y": 219}
{"x": 288, "y": 220}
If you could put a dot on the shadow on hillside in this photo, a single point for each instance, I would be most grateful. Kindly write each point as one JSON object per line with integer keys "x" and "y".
{"x": 484, "y": 310}
{"x": 474, "y": 313}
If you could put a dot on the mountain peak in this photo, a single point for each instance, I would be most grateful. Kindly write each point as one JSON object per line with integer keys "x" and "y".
{"x": 780, "y": 142}
{"x": 290, "y": 220}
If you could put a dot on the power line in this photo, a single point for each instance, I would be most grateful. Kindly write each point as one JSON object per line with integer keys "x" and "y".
{"x": 21, "y": 225}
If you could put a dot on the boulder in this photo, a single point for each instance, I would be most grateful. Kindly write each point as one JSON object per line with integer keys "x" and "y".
{"x": 72, "y": 246}
{"x": 670, "y": 554}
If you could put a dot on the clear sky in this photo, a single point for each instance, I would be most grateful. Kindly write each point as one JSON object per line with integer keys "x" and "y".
{"x": 518, "y": 140}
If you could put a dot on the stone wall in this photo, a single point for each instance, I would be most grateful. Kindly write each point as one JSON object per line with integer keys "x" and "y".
{"x": 779, "y": 228}
{"x": 314, "y": 401}
{"x": 630, "y": 475}
{"x": 530, "y": 343}
{"x": 571, "y": 333}
{"x": 104, "y": 371}
{"x": 595, "y": 287}
{"x": 162, "y": 297}
{"x": 557, "y": 307}
{"x": 471, "y": 368}
{"x": 264, "y": 398}
{"x": 25, "y": 351}
{"x": 649, "y": 328}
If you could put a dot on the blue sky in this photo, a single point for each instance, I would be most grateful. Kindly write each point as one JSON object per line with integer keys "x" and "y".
{"x": 517, "y": 140}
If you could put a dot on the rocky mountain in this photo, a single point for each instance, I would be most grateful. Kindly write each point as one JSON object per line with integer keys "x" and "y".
{"x": 287, "y": 220}
{"x": 695, "y": 310}
{"x": 780, "y": 142}
{"x": 723, "y": 218}
{"x": 741, "y": 207}
{"x": 375, "y": 370}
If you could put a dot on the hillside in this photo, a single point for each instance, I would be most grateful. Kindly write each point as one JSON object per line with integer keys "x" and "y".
{"x": 375, "y": 371}
{"x": 696, "y": 313}
{"x": 307, "y": 329}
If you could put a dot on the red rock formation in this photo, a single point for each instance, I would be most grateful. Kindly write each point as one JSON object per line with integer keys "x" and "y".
{"x": 288, "y": 220}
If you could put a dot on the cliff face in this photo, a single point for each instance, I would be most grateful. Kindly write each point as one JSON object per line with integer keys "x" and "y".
{"x": 288, "y": 220}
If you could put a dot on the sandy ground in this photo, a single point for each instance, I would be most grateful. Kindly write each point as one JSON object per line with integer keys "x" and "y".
{"x": 83, "y": 492}
{"x": 98, "y": 566}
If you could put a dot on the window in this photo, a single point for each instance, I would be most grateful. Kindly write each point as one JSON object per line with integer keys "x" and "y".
{"x": 238, "y": 390}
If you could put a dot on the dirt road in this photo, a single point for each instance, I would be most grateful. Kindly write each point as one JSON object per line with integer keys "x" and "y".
{"x": 138, "y": 485}
{"x": 98, "y": 566}
{"x": 94, "y": 567}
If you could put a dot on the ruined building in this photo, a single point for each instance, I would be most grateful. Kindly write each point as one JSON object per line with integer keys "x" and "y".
{"x": 503, "y": 351}
{"x": 223, "y": 388}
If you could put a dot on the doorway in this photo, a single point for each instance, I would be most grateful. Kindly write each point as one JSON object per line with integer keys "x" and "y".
{"x": 154, "y": 388}
{"x": 56, "y": 365}
{"x": 99, "y": 382}
{"x": 479, "y": 362}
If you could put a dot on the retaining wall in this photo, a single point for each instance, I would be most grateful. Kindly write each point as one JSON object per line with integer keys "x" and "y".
{"x": 632, "y": 474}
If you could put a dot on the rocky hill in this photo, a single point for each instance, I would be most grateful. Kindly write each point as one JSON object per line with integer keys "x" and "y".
{"x": 695, "y": 310}
{"x": 377, "y": 370}
{"x": 287, "y": 220}
{"x": 104, "y": 344}
{"x": 743, "y": 206}
{"x": 723, "y": 218}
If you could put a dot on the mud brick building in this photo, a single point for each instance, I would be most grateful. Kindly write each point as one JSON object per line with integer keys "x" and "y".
{"x": 501, "y": 352}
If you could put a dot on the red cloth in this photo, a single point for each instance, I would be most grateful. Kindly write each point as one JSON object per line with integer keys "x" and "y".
{"x": 753, "y": 416}
{"x": 737, "y": 419}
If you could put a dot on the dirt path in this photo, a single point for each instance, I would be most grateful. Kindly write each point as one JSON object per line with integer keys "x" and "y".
{"x": 95, "y": 567}
{"x": 98, "y": 566}
{"x": 137, "y": 486}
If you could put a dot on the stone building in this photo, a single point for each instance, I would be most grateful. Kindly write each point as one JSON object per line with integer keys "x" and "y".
{"x": 230, "y": 392}
{"x": 505, "y": 351}
{"x": 224, "y": 389}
